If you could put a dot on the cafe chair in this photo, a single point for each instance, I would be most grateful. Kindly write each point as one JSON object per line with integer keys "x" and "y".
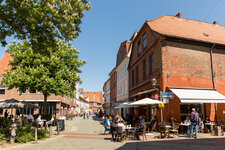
{"x": 142, "y": 133}
{"x": 120, "y": 135}
{"x": 174, "y": 129}
{"x": 154, "y": 126}
{"x": 164, "y": 132}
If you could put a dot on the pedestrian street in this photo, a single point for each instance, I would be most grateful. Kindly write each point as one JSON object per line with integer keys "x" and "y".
{"x": 85, "y": 134}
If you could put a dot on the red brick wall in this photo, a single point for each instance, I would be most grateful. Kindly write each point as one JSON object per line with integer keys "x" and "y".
{"x": 153, "y": 41}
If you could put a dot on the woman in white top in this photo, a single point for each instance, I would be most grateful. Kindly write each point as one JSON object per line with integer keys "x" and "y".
{"x": 39, "y": 121}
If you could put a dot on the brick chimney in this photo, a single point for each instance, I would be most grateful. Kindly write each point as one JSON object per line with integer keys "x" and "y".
{"x": 179, "y": 15}
{"x": 215, "y": 22}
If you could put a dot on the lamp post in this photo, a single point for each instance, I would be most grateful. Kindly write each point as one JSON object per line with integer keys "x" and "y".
{"x": 154, "y": 84}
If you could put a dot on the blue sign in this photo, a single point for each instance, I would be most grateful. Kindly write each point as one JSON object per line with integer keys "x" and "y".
{"x": 167, "y": 95}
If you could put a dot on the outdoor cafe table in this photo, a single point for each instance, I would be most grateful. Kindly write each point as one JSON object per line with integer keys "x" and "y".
{"x": 184, "y": 125}
{"x": 212, "y": 125}
{"x": 129, "y": 130}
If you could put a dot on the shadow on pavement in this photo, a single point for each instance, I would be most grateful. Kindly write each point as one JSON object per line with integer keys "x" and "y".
{"x": 96, "y": 118}
{"x": 184, "y": 144}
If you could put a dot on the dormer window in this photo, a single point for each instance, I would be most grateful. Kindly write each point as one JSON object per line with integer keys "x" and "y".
{"x": 124, "y": 51}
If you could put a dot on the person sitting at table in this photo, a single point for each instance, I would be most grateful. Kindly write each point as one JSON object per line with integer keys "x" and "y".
{"x": 208, "y": 127}
{"x": 113, "y": 126}
{"x": 139, "y": 129}
{"x": 50, "y": 122}
{"x": 39, "y": 121}
{"x": 121, "y": 124}
{"x": 172, "y": 121}
{"x": 187, "y": 120}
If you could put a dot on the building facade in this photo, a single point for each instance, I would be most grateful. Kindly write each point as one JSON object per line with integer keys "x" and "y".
{"x": 106, "y": 90}
{"x": 113, "y": 90}
{"x": 183, "y": 55}
{"x": 95, "y": 101}
{"x": 58, "y": 105}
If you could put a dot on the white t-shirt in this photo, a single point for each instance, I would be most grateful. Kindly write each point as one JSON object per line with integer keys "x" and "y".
{"x": 121, "y": 125}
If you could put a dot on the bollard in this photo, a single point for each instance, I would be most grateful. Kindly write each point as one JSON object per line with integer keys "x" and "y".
{"x": 13, "y": 133}
{"x": 35, "y": 134}
{"x": 50, "y": 131}
{"x": 58, "y": 127}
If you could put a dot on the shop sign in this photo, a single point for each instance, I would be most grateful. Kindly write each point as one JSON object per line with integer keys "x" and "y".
{"x": 167, "y": 95}
{"x": 161, "y": 105}
{"x": 156, "y": 96}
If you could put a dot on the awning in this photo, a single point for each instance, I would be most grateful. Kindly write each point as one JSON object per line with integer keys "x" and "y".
{"x": 191, "y": 95}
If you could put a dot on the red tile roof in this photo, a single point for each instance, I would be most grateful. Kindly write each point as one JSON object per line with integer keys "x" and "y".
{"x": 189, "y": 29}
{"x": 4, "y": 62}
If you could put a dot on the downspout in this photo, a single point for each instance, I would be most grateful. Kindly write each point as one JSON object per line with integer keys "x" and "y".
{"x": 213, "y": 77}
{"x": 211, "y": 61}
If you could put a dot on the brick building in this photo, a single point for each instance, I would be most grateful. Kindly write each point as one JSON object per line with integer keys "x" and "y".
{"x": 187, "y": 57}
{"x": 113, "y": 89}
{"x": 57, "y": 105}
{"x": 95, "y": 100}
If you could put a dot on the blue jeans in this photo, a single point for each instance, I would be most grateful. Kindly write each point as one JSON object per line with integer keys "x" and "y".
{"x": 194, "y": 125}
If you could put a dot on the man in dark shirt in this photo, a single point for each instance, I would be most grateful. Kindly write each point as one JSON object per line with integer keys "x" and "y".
{"x": 194, "y": 122}
{"x": 6, "y": 114}
{"x": 139, "y": 129}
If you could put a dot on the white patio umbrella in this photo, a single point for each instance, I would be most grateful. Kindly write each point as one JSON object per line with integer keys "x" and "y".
{"x": 124, "y": 105}
{"x": 146, "y": 101}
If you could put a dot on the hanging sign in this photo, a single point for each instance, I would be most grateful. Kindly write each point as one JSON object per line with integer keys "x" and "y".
{"x": 156, "y": 96}
{"x": 167, "y": 95}
{"x": 161, "y": 105}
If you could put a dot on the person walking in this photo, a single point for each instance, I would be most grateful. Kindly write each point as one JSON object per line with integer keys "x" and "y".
{"x": 84, "y": 115}
{"x": 194, "y": 122}
{"x": 87, "y": 115}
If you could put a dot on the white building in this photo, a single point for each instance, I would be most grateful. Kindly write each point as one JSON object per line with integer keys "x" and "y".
{"x": 123, "y": 57}
{"x": 106, "y": 90}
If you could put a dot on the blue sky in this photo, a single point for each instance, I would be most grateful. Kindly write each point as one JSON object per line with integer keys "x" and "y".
{"x": 111, "y": 22}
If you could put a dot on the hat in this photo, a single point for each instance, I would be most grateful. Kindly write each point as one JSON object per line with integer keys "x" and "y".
{"x": 142, "y": 121}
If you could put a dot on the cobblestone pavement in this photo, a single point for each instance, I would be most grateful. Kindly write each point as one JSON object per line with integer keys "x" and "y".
{"x": 86, "y": 134}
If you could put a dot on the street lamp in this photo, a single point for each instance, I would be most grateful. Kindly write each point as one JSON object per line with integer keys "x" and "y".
{"x": 154, "y": 82}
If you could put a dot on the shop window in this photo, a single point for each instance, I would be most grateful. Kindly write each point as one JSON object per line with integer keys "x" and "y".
{"x": 32, "y": 91}
{"x": 2, "y": 89}
{"x": 186, "y": 109}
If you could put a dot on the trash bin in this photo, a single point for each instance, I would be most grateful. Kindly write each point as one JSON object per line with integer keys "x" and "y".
{"x": 61, "y": 125}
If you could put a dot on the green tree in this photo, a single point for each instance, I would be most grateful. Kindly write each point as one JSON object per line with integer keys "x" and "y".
{"x": 41, "y": 22}
{"x": 55, "y": 72}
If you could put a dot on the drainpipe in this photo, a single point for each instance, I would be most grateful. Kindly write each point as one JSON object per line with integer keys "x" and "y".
{"x": 213, "y": 78}
{"x": 212, "y": 70}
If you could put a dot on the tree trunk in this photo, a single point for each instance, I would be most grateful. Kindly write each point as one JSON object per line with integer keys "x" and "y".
{"x": 45, "y": 103}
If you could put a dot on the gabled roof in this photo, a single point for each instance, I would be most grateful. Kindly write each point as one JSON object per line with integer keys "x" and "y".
{"x": 4, "y": 62}
{"x": 189, "y": 29}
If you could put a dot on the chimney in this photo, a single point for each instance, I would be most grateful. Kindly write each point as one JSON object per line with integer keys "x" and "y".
{"x": 179, "y": 15}
{"x": 215, "y": 22}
